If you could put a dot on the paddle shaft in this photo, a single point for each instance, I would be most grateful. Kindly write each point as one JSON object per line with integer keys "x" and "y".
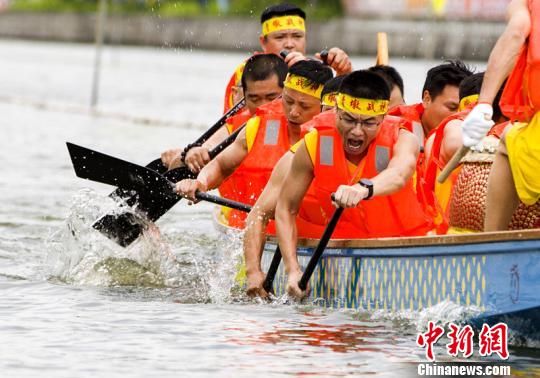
{"x": 325, "y": 238}
{"x": 223, "y": 201}
{"x": 231, "y": 112}
{"x": 272, "y": 270}
{"x": 452, "y": 164}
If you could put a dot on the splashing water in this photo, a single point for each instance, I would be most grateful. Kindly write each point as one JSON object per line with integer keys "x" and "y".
{"x": 201, "y": 269}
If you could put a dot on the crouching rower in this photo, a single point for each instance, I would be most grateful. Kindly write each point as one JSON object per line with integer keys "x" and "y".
{"x": 264, "y": 209}
{"x": 366, "y": 147}
{"x": 266, "y": 137}
{"x": 262, "y": 83}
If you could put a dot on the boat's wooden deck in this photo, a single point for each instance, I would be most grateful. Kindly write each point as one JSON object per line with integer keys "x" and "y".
{"x": 416, "y": 241}
{"x": 481, "y": 237}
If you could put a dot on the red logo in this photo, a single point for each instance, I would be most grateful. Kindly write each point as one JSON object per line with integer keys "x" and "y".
{"x": 426, "y": 340}
{"x": 494, "y": 340}
{"x": 460, "y": 341}
{"x": 490, "y": 340}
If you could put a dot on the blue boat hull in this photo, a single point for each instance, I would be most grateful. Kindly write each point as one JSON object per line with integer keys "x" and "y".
{"x": 500, "y": 278}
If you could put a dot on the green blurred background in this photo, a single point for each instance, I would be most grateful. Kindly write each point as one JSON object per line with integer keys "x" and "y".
{"x": 316, "y": 9}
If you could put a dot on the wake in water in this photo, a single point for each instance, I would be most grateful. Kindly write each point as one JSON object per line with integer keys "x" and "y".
{"x": 201, "y": 268}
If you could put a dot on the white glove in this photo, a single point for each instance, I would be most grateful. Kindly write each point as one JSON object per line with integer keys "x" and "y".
{"x": 477, "y": 124}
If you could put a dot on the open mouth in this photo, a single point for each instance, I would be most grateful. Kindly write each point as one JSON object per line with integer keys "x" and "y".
{"x": 355, "y": 144}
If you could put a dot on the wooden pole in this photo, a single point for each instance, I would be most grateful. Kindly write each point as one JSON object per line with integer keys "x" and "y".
{"x": 99, "y": 37}
{"x": 382, "y": 49}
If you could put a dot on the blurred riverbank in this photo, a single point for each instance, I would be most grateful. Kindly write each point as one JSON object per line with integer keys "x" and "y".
{"x": 408, "y": 38}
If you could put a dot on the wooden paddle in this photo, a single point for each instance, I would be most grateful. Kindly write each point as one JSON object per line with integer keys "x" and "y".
{"x": 325, "y": 238}
{"x": 452, "y": 164}
{"x": 382, "y": 49}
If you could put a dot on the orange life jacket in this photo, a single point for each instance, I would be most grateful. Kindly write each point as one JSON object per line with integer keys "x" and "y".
{"x": 310, "y": 204}
{"x": 321, "y": 121}
{"x": 237, "y": 120}
{"x": 412, "y": 113}
{"x": 270, "y": 144}
{"x": 437, "y": 196}
{"x": 398, "y": 214}
{"x": 227, "y": 188}
{"x": 521, "y": 98}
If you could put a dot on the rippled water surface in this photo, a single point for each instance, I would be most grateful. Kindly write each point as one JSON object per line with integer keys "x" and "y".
{"x": 75, "y": 304}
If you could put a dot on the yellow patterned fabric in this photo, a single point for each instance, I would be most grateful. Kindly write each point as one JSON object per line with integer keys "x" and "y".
{"x": 467, "y": 102}
{"x": 362, "y": 106}
{"x": 302, "y": 85}
{"x": 523, "y": 144}
{"x": 283, "y": 23}
{"x": 329, "y": 99}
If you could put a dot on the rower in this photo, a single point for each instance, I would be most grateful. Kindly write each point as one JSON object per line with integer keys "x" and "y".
{"x": 441, "y": 146}
{"x": 365, "y": 146}
{"x": 266, "y": 138}
{"x": 283, "y": 28}
{"x": 259, "y": 221}
{"x": 466, "y": 209}
{"x": 514, "y": 174}
{"x": 394, "y": 79}
{"x": 262, "y": 83}
{"x": 440, "y": 99}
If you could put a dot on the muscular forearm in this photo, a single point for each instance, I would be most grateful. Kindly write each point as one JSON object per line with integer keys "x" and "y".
{"x": 500, "y": 64}
{"x": 504, "y": 55}
{"x": 211, "y": 175}
{"x": 286, "y": 232}
{"x": 389, "y": 181}
{"x": 254, "y": 238}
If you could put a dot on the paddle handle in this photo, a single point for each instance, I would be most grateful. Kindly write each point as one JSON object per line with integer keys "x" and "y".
{"x": 325, "y": 238}
{"x": 202, "y": 196}
{"x": 382, "y": 49}
{"x": 324, "y": 56}
{"x": 452, "y": 164}
{"x": 272, "y": 270}
{"x": 211, "y": 131}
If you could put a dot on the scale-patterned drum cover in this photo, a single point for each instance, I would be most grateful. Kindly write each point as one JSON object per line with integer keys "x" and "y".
{"x": 468, "y": 201}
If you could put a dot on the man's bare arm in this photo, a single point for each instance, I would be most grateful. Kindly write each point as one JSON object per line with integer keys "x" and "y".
{"x": 452, "y": 141}
{"x": 256, "y": 222}
{"x": 400, "y": 168}
{"x": 292, "y": 192}
{"x": 504, "y": 55}
{"x": 213, "y": 174}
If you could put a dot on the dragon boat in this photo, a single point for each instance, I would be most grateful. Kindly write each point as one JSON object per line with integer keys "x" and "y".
{"x": 497, "y": 274}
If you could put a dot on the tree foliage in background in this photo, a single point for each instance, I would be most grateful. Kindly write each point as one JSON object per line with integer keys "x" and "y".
{"x": 179, "y": 8}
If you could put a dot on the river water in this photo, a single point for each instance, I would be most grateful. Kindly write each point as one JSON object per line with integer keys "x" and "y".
{"x": 75, "y": 304}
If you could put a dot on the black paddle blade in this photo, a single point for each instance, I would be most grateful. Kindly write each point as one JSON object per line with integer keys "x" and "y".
{"x": 97, "y": 166}
{"x": 151, "y": 191}
{"x": 124, "y": 228}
